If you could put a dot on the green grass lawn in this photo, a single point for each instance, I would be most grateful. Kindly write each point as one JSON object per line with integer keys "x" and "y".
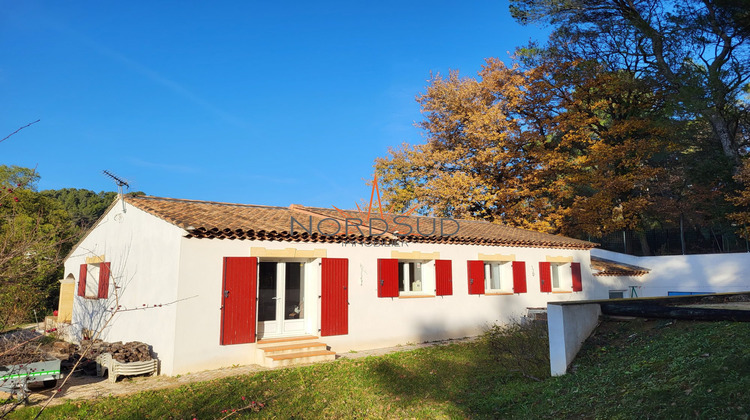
{"x": 638, "y": 369}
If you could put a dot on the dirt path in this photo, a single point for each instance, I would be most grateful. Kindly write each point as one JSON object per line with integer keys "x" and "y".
{"x": 92, "y": 387}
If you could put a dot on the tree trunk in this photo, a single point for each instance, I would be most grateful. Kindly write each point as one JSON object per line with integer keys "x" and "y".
{"x": 645, "y": 248}
{"x": 721, "y": 129}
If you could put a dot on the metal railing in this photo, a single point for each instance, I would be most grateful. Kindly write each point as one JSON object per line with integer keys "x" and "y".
{"x": 710, "y": 240}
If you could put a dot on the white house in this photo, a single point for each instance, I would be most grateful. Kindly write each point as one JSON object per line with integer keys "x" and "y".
{"x": 215, "y": 284}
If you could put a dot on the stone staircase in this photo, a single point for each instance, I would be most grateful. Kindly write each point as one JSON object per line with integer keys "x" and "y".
{"x": 291, "y": 351}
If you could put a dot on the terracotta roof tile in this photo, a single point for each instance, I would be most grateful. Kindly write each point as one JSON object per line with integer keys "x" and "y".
{"x": 605, "y": 267}
{"x": 205, "y": 219}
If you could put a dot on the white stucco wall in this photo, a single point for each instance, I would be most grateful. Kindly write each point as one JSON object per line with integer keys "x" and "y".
{"x": 373, "y": 322}
{"x": 143, "y": 252}
{"x": 710, "y": 273}
{"x": 569, "y": 325}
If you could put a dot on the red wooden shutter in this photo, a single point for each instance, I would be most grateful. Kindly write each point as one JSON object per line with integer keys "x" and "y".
{"x": 82, "y": 280}
{"x": 519, "y": 277}
{"x": 103, "y": 281}
{"x": 334, "y": 297}
{"x": 443, "y": 278}
{"x": 575, "y": 269}
{"x": 476, "y": 277}
{"x": 387, "y": 277}
{"x": 238, "y": 300}
{"x": 545, "y": 277}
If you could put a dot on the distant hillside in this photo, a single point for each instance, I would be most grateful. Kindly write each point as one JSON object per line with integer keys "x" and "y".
{"x": 84, "y": 206}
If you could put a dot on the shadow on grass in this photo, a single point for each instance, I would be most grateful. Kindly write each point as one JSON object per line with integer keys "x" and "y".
{"x": 475, "y": 379}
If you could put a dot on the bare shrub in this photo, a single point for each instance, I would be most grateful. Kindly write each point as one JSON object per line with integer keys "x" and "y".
{"x": 521, "y": 347}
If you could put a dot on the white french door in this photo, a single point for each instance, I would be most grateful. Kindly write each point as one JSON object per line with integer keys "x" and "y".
{"x": 281, "y": 296}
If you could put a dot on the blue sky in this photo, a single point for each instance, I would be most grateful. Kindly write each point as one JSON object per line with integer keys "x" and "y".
{"x": 236, "y": 101}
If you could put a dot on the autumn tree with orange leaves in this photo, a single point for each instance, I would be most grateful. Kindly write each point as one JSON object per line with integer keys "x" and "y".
{"x": 561, "y": 147}
{"x": 633, "y": 117}
{"x": 477, "y": 162}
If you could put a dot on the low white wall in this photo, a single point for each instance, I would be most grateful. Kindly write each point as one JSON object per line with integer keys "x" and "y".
{"x": 710, "y": 273}
{"x": 569, "y": 325}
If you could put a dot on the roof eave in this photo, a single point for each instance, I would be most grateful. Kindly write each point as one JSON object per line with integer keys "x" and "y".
{"x": 93, "y": 226}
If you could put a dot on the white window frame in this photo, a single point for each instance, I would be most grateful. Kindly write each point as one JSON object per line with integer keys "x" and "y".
{"x": 498, "y": 273}
{"x": 92, "y": 281}
{"x": 426, "y": 277}
{"x": 562, "y": 274}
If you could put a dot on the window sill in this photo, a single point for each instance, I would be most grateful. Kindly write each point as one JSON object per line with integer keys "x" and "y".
{"x": 415, "y": 296}
{"x": 562, "y": 291}
{"x": 498, "y": 293}
{"x": 91, "y": 297}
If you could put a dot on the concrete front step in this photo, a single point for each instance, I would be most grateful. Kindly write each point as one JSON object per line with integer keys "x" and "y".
{"x": 290, "y": 351}
{"x": 270, "y": 342}
{"x": 302, "y": 358}
{"x": 294, "y": 348}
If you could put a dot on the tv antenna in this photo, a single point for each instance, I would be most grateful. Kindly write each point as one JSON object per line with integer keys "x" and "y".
{"x": 120, "y": 183}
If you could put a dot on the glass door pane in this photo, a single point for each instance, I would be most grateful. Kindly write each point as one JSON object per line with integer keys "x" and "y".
{"x": 267, "y": 291}
{"x": 294, "y": 291}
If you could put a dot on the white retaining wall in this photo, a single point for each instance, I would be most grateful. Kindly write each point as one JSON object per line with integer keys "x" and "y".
{"x": 569, "y": 325}
{"x": 709, "y": 273}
